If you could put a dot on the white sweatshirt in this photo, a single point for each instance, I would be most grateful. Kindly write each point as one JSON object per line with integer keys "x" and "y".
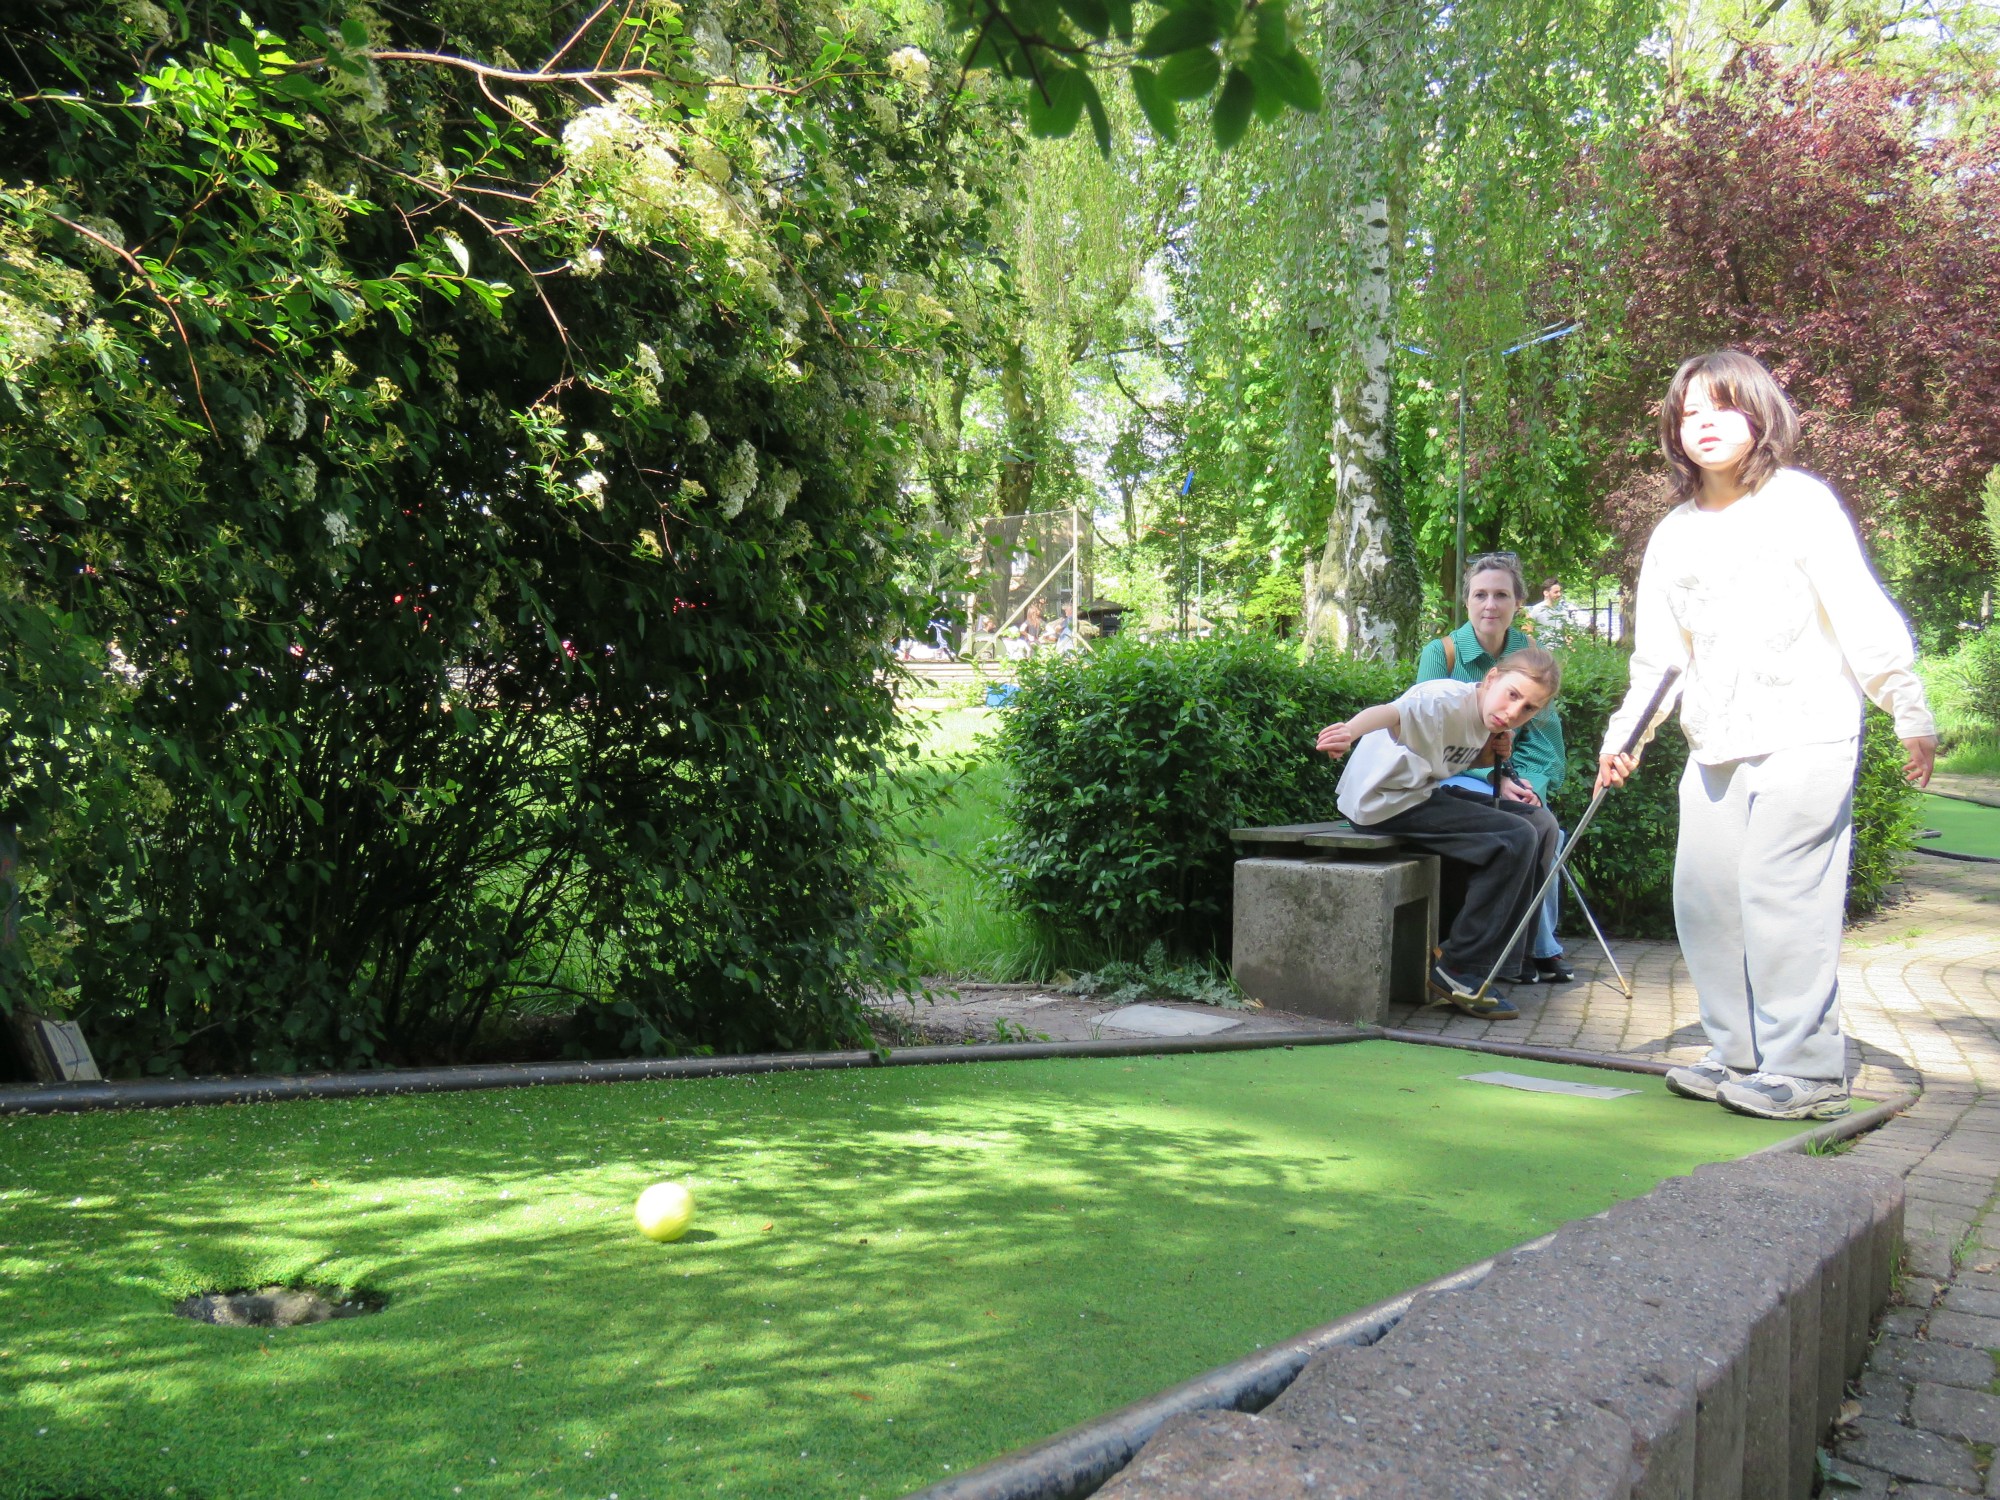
{"x": 1442, "y": 734}
{"x": 1771, "y": 610}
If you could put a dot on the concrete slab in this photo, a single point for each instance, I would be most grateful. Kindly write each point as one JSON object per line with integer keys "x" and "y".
{"x": 1160, "y": 1020}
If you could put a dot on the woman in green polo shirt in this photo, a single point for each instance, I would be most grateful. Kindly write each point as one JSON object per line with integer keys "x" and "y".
{"x": 1494, "y": 590}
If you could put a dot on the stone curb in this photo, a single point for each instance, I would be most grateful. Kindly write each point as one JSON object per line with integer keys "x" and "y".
{"x": 1729, "y": 1357}
{"x": 1690, "y": 1317}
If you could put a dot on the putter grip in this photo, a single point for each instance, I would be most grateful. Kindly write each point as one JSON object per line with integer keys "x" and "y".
{"x": 1645, "y": 723}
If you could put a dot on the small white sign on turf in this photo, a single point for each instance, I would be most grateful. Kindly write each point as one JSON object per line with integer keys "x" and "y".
{"x": 1536, "y": 1085}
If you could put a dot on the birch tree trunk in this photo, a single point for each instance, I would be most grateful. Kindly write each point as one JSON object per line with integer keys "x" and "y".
{"x": 1364, "y": 594}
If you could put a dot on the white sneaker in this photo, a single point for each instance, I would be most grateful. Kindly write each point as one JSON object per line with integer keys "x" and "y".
{"x": 1700, "y": 1080}
{"x": 1779, "y": 1096}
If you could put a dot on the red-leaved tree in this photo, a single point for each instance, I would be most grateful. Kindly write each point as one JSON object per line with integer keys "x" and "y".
{"x": 1821, "y": 219}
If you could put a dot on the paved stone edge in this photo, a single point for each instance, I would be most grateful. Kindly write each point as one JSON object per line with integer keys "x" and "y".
{"x": 1111, "y": 1452}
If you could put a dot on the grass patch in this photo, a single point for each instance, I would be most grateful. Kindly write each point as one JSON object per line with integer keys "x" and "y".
{"x": 955, "y": 789}
{"x": 1972, "y": 758}
{"x": 1967, "y": 827}
{"x": 893, "y": 1274}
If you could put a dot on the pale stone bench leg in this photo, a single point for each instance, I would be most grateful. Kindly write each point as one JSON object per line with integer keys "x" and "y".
{"x": 1343, "y": 939}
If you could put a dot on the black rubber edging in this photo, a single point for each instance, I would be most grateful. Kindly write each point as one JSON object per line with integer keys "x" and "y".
{"x": 71, "y": 1098}
{"x": 1964, "y": 859}
{"x": 1530, "y": 1054}
{"x": 1075, "y": 1463}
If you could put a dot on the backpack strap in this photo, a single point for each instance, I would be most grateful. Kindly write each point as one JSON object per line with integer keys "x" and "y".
{"x": 1450, "y": 654}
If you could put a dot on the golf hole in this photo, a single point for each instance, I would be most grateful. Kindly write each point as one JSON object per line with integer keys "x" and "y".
{"x": 277, "y": 1306}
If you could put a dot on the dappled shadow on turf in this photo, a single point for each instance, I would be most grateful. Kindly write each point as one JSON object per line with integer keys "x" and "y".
{"x": 903, "y": 1264}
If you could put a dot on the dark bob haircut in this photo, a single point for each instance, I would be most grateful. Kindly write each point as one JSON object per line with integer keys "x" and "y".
{"x": 1736, "y": 381}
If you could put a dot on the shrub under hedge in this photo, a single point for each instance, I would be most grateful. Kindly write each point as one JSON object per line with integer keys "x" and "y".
{"x": 1129, "y": 767}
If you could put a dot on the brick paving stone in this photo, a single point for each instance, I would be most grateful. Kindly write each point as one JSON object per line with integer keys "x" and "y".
{"x": 1917, "y": 1291}
{"x": 1939, "y": 1364}
{"x": 1903, "y": 1322}
{"x": 1909, "y": 1454}
{"x": 1863, "y": 1483}
{"x": 1964, "y": 1328}
{"x": 1924, "y": 1492}
{"x": 1883, "y": 1394}
{"x": 1968, "y": 1299}
{"x": 1969, "y": 1416}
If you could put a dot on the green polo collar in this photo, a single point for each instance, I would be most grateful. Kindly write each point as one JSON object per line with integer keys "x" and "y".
{"x": 1472, "y": 657}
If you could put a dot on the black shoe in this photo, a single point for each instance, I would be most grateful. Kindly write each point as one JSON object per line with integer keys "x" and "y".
{"x": 1462, "y": 994}
{"x": 1526, "y": 976}
{"x": 1553, "y": 970}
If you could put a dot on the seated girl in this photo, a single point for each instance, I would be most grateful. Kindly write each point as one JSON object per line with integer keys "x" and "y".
{"x": 1403, "y": 751}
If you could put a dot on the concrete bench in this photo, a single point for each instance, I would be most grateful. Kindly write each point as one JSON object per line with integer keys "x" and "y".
{"x": 1332, "y": 920}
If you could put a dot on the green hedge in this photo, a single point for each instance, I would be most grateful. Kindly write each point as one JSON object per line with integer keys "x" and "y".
{"x": 1129, "y": 767}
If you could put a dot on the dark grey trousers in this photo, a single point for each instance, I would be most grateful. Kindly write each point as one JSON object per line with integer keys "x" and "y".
{"x": 1507, "y": 848}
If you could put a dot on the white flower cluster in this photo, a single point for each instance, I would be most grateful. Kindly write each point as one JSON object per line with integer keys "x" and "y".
{"x": 305, "y": 478}
{"x": 697, "y": 427}
{"x": 909, "y": 65}
{"x": 591, "y": 486}
{"x": 736, "y": 480}
{"x": 252, "y": 436}
{"x": 338, "y": 527}
{"x": 295, "y": 417}
{"x": 26, "y": 332}
{"x": 779, "y": 491}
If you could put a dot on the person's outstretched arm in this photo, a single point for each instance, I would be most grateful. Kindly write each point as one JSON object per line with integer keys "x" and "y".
{"x": 1336, "y": 739}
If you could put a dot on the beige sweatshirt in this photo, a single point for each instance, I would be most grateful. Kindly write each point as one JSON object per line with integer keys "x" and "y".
{"x": 1771, "y": 609}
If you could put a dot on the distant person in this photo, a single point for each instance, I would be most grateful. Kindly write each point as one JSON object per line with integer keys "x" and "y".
{"x": 1755, "y": 586}
{"x": 1404, "y": 752}
{"x": 1551, "y": 616}
{"x": 1492, "y": 593}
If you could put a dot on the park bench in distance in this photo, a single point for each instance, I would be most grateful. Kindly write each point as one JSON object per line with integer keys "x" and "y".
{"x": 1333, "y": 921}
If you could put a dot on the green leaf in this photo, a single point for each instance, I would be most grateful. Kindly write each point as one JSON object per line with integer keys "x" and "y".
{"x": 1180, "y": 30}
{"x": 1268, "y": 101}
{"x": 1055, "y": 107}
{"x": 1295, "y": 81}
{"x": 1121, "y": 19}
{"x": 1232, "y": 110}
{"x": 1100, "y": 123}
{"x": 1190, "y": 75}
{"x": 354, "y": 33}
{"x": 1091, "y": 16}
{"x": 1159, "y": 108}
{"x": 1273, "y": 35}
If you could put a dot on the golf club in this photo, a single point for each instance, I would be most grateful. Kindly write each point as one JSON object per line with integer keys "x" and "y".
{"x": 1632, "y": 740}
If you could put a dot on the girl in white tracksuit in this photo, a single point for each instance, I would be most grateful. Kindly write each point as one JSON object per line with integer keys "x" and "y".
{"x": 1756, "y": 587}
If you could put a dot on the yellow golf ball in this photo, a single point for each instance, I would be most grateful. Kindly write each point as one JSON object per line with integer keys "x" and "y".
{"x": 664, "y": 1211}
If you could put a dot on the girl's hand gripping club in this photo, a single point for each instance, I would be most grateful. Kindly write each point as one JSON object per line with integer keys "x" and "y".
{"x": 1604, "y": 784}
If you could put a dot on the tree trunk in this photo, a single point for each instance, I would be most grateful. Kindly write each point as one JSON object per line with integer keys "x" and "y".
{"x": 1364, "y": 596}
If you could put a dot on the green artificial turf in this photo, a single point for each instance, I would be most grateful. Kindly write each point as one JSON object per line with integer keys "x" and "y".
{"x": 895, "y": 1273}
{"x": 1967, "y": 827}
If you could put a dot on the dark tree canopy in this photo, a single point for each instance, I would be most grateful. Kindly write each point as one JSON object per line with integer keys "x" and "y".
{"x": 1813, "y": 216}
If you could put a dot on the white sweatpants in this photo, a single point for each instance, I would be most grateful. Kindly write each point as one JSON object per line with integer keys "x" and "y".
{"x": 1760, "y": 889}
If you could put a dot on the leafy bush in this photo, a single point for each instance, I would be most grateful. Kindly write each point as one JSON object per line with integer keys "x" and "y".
{"x": 1626, "y": 864}
{"x": 1964, "y": 690}
{"x": 448, "y": 536}
{"x": 1130, "y": 766}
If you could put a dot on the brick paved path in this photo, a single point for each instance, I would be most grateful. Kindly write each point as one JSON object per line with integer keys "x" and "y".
{"x": 1920, "y": 991}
